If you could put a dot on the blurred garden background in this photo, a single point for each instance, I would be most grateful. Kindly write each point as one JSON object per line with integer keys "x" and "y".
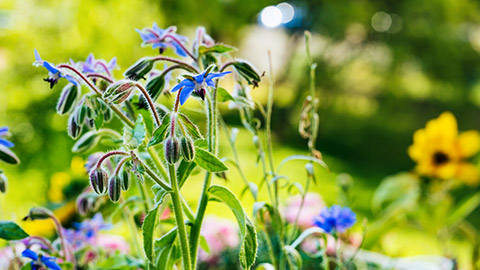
{"x": 384, "y": 68}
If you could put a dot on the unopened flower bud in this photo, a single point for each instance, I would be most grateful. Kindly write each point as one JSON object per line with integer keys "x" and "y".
{"x": 99, "y": 180}
{"x": 139, "y": 69}
{"x": 172, "y": 150}
{"x": 188, "y": 149}
{"x": 90, "y": 118}
{"x": 6, "y": 155}
{"x": 125, "y": 177}
{"x": 107, "y": 115}
{"x": 79, "y": 114}
{"x": 118, "y": 91}
{"x": 114, "y": 188}
{"x": 3, "y": 182}
{"x": 38, "y": 213}
{"x": 67, "y": 98}
{"x": 85, "y": 203}
{"x": 73, "y": 128}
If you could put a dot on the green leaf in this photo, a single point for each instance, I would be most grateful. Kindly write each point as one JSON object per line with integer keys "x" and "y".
{"x": 148, "y": 229}
{"x": 11, "y": 231}
{"x": 6, "y": 155}
{"x": 133, "y": 138}
{"x": 247, "y": 72}
{"x": 159, "y": 193}
{"x": 159, "y": 133}
{"x": 191, "y": 127}
{"x": 204, "y": 244}
{"x": 165, "y": 249}
{"x": 218, "y": 48}
{"x": 276, "y": 219}
{"x": 184, "y": 170}
{"x": 208, "y": 161}
{"x": 223, "y": 95}
{"x": 248, "y": 247}
{"x": 464, "y": 209}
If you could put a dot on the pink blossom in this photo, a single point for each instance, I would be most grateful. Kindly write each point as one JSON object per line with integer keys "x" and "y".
{"x": 112, "y": 243}
{"x": 313, "y": 244}
{"x": 311, "y": 207}
{"x": 220, "y": 234}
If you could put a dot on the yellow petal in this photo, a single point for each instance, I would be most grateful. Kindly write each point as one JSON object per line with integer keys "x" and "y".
{"x": 469, "y": 143}
{"x": 447, "y": 171}
{"x": 468, "y": 173}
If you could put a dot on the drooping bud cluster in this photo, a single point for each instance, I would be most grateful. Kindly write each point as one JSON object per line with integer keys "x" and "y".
{"x": 67, "y": 98}
{"x": 119, "y": 91}
{"x": 87, "y": 203}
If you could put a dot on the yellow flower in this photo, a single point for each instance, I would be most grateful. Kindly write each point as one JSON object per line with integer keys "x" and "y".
{"x": 57, "y": 184}
{"x": 441, "y": 152}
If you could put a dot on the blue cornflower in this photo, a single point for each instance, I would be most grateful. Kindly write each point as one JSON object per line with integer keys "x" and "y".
{"x": 40, "y": 261}
{"x": 197, "y": 84}
{"x": 53, "y": 73}
{"x": 163, "y": 38}
{"x": 3, "y": 133}
{"x": 92, "y": 65}
{"x": 335, "y": 219}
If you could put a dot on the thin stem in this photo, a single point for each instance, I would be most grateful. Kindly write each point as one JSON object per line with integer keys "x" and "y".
{"x": 101, "y": 76}
{"x": 227, "y": 64}
{"x": 202, "y": 206}
{"x": 176, "y": 61}
{"x": 181, "y": 45}
{"x": 67, "y": 252}
{"x": 105, "y": 68}
{"x": 133, "y": 230}
{"x": 117, "y": 111}
{"x": 150, "y": 103}
{"x": 107, "y": 155}
{"x": 188, "y": 211}
{"x": 158, "y": 162}
{"x": 269, "y": 125}
{"x": 177, "y": 208}
{"x": 120, "y": 164}
{"x": 235, "y": 157}
{"x": 142, "y": 191}
{"x": 149, "y": 171}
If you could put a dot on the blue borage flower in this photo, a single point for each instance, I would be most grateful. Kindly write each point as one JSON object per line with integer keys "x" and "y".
{"x": 40, "y": 261}
{"x": 92, "y": 65}
{"x": 160, "y": 38}
{"x": 4, "y": 133}
{"x": 197, "y": 84}
{"x": 84, "y": 233}
{"x": 335, "y": 219}
{"x": 53, "y": 73}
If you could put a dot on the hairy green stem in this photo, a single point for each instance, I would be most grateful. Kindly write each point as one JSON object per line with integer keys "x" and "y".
{"x": 177, "y": 208}
{"x": 202, "y": 206}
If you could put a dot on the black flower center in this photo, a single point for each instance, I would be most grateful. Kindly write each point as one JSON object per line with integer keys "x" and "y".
{"x": 440, "y": 158}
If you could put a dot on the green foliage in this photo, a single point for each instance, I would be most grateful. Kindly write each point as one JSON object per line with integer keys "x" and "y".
{"x": 148, "y": 229}
{"x": 248, "y": 244}
{"x": 11, "y": 231}
{"x": 208, "y": 161}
